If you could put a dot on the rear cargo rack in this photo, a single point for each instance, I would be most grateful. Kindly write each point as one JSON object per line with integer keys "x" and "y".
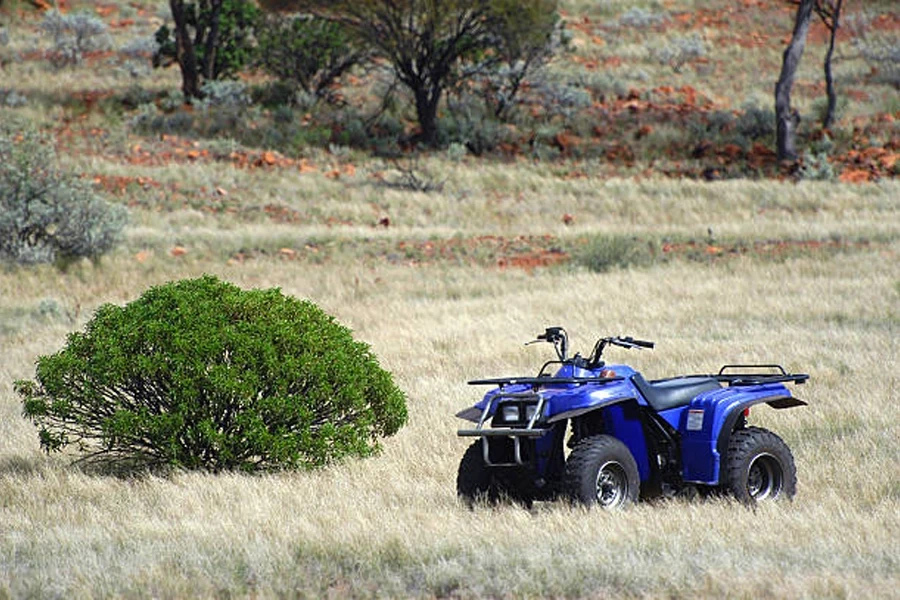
{"x": 746, "y": 376}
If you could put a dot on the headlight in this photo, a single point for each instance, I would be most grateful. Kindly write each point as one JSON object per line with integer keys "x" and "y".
{"x": 529, "y": 411}
{"x": 510, "y": 413}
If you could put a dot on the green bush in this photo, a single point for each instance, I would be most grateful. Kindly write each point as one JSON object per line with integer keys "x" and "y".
{"x": 46, "y": 214}
{"x": 607, "y": 252}
{"x": 222, "y": 37}
{"x": 306, "y": 52}
{"x": 199, "y": 374}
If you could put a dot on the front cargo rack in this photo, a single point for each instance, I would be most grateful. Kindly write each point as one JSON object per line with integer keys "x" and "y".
{"x": 504, "y": 381}
{"x": 515, "y": 433}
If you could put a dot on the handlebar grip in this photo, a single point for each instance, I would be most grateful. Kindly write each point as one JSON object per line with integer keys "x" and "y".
{"x": 642, "y": 343}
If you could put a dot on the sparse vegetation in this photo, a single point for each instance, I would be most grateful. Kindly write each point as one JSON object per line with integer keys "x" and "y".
{"x": 746, "y": 263}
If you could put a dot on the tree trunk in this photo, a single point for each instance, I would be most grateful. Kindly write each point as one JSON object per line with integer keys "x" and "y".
{"x": 212, "y": 42}
{"x": 833, "y": 25}
{"x": 786, "y": 120}
{"x": 184, "y": 52}
{"x": 427, "y": 101}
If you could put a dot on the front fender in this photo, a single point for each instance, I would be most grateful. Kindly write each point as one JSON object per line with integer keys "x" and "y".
{"x": 578, "y": 401}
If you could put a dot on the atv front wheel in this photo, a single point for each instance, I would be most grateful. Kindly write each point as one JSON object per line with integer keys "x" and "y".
{"x": 474, "y": 481}
{"x": 601, "y": 471}
{"x": 759, "y": 466}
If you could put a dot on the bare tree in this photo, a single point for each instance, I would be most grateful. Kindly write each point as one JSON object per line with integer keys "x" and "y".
{"x": 830, "y": 13}
{"x": 786, "y": 118}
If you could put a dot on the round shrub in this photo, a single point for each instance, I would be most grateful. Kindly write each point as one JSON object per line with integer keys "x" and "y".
{"x": 199, "y": 374}
{"x": 47, "y": 214}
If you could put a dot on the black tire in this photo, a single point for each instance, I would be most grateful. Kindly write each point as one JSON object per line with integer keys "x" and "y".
{"x": 601, "y": 471}
{"x": 474, "y": 480}
{"x": 759, "y": 467}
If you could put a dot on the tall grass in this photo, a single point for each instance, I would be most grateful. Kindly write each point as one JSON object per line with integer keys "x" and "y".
{"x": 391, "y": 525}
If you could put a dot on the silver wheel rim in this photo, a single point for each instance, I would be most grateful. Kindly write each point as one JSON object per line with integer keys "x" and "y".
{"x": 612, "y": 485}
{"x": 765, "y": 477}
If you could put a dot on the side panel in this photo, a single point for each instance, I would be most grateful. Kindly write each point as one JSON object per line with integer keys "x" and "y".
{"x": 703, "y": 421}
{"x": 623, "y": 420}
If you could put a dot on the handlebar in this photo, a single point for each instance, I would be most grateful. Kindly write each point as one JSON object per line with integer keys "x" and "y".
{"x": 622, "y": 342}
{"x": 560, "y": 340}
{"x": 640, "y": 343}
{"x": 558, "y": 337}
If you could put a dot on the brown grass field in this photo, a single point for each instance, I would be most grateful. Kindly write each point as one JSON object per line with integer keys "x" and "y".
{"x": 447, "y": 289}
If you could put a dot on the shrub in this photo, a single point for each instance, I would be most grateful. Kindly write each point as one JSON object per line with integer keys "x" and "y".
{"x": 680, "y": 51}
{"x": 199, "y": 374}
{"x": 308, "y": 52}
{"x": 880, "y": 49}
{"x": 640, "y": 18}
{"x": 883, "y": 54}
{"x": 756, "y": 123}
{"x": 219, "y": 34}
{"x": 561, "y": 96}
{"x": 224, "y": 94}
{"x": 46, "y": 214}
{"x": 607, "y": 252}
{"x": 816, "y": 167}
{"x": 73, "y": 35}
{"x": 470, "y": 123}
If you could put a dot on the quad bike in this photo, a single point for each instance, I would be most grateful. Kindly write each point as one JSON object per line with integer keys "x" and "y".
{"x": 629, "y": 437}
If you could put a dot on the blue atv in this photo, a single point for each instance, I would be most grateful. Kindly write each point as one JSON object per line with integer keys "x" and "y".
{"x": 629, "y": 437}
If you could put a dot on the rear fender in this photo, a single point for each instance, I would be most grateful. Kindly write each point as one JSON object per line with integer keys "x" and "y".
{"x": 707, "y": 423}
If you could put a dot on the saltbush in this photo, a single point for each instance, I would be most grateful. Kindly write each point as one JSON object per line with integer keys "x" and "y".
{"x": 815, "y": 166}
{"x": 681, "y": 50}
{"x": 73, "y": 35}
{"x": 640, "y": 18}
{"x": 199, "y": 374}
{"x": 47, "y": 214}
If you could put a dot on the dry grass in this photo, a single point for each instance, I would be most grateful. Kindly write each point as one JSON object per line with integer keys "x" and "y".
{"x": 391, "y": 525}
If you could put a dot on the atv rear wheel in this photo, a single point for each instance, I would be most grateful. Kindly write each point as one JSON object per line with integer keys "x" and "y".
{"x": 759, "y": 466}
{"x": 601, "y": 471}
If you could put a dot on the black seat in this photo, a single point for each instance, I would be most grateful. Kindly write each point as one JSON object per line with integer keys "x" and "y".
{"x": 664, "y": 394}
